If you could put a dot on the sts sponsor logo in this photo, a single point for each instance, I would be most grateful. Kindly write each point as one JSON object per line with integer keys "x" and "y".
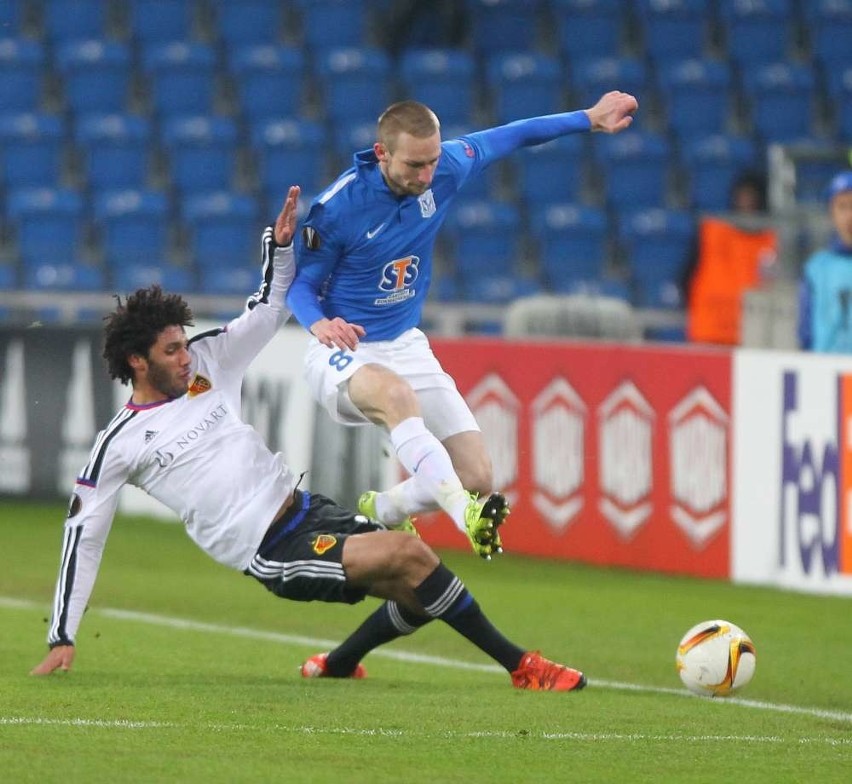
{"x": 815, "y": 533}
{"x": 397, "y": 281}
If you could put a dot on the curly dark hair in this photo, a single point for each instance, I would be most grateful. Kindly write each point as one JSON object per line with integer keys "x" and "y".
{"x": 135, "y": 324}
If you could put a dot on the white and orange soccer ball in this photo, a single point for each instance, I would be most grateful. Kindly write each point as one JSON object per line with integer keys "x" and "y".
{"x": 715, "y": 658}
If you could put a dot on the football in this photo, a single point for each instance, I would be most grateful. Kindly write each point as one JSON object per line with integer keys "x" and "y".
{"x": 715, "y": 658}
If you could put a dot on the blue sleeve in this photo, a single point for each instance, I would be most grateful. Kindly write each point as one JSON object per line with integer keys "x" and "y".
{"x": 805, "y": 306}
{"x": 499, "y": 142}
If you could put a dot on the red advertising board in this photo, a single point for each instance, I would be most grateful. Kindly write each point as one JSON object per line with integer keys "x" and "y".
{"x": 609, "y": 454}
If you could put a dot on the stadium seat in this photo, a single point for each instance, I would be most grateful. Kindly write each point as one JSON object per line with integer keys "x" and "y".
{"x": 781, "y": 97}
{"x": 202, "y": 152}
{"x": 240, "y": 277}
{"x": 74, "y": 20}
{"x": 269, "y": 81}
{"x": 48, "y": 223}
{"x": 12, "y": 17}
{"x": 485, "y": 239}
{"x": 95, "y": 75}
{"x": 173, "y": 278}
{"x": 503, "y": 25}
{"x": 635, "y": 166}
{"x": 356, "y": 83}
{"x": 713, "y": 164}
{"x": 524, "y": 85}
{"x": 697, "y": 96}
{"x": 289, "y": 152}
{"x": 223, "y": 229}
{"x": 21, "y": 74}
{"x": 551, "y": 172}
{"x": 673, "y": 29}
{"x": 115, "y": 150}
{"x": 181, "y": 77}
{"x": 658, "y": 246}
{"x": 31, "y": 149}
{"x": 587, "y": 29}
{"x": 592, "y": 78}
{"x": 55, "y": 275}
{"x": 161, "y": 20}
{"x": 330, "y": 24}
{"x": 133, "y": 226}
{"x": 496, "y": 290}
{"x": 246, "y": 23}
{"x": 829, "y": 25}
{"x": 757, "y": 31}
{"x": 573, "y": 243}
{"x": 443, "y": 79}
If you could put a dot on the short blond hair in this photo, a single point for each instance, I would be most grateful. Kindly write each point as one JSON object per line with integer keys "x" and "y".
{"x": 411, "y": 117}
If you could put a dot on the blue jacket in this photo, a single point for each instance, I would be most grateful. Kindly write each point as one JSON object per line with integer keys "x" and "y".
{"x": 825, "y": 301}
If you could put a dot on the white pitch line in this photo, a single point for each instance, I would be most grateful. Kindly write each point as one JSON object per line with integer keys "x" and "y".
{"x": 419, "y": 658}
{"x": 632, "y": 737}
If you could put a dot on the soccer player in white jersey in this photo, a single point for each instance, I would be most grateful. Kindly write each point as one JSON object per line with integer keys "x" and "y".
{"x": 180, "y": 438}
{"x": 363, "y": 273}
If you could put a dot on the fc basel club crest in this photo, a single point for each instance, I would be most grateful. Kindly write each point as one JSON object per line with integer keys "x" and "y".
{"x": 427, "y": 204}
{"x": 199, "y": 385}
{"x": 323, "y": 543}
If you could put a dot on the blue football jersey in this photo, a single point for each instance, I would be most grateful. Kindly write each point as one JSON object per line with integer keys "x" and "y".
{"x": 365, "y": 254}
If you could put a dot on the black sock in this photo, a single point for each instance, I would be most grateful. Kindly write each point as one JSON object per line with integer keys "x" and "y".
{"x": 444, "y": 596}
{"x": 387, "y": 623}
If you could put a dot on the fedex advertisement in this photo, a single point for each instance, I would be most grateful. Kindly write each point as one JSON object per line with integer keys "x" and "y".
{"x": 793, "y": 468}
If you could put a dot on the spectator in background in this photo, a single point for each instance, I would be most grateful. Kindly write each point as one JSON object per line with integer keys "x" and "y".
{"x": 425, "y": 24}
{"x": 825, "y": 321}
{"x": 748, "y": 194}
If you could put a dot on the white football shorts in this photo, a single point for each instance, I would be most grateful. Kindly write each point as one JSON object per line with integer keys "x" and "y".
{"x": 327, "y": 371}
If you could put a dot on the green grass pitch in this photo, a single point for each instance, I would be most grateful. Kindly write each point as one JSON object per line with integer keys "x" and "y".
{"x": 187, "y": 672}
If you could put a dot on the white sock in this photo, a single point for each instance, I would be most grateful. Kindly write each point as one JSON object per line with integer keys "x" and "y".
{"x": 407, "y": 499}
{"x": 427, "y": 460}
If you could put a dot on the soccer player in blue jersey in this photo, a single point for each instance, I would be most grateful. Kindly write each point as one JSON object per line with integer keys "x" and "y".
{"x": 363, "y": 273}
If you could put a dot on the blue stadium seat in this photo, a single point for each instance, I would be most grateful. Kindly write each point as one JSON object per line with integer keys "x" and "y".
{"x": 48, "y": 222}
{"x": 573, "y": 243}
{"x": 697, "y": 96}
{"x": 597, "y": 287}
{"x": 21, "y": 74}
{"x": 356, "y": 83}
{"x": 713, "y": 164}
{"x": 635, "y": 166}
{"x": 72, "y": 20}
{"x": 54, "y": 275}
{"x": 757, "y": 31}
{"x": 161, "y": 20}
{"x": 524, "y": 85}
{"x": 551, "y": 172}
{"x": 485, "y": 238}
{"x": 181, "y": 77}
{"x": 133, "y": 226}
{"x": 829, "y": 24}
{"x": 241, "y": 277}
{"x": 242, "y": 23}
{"x": 289, "y": 152}
{"x": 328, "y": 24}
{"x": 173, "y": 278}
{"x": 443, "y": 79}
{"x": 673, "y": 29}
{"x": 844, "y": 108}
{"x": 269, "y": 81}
{"x": 115, "y": 150}
{"x": 12, "y": 17}
{"x": 781, "y": 97}
{"x": 658, "y": 246}
{"x": 95, "y": 75}
{"x": 202, "y": 152}
{"x": 31, "y": 149}
{"x": 587, "y": 29}
{"x": 223, "y": 229}
{"x": 592, "y": 78}
{"x": 496, "y": 290}
{"x": 503, "y": 25}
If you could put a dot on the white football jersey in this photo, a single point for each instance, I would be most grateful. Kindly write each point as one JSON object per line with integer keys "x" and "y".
{"x": 193, "y": 453}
